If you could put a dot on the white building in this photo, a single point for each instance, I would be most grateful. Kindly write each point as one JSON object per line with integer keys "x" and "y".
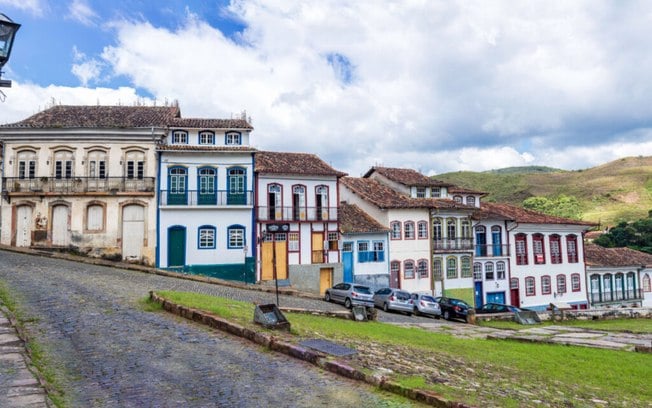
{"x": 365, "y": 257}
{"x": 206, "y": 199}
{"x": 297, "y": 220}
{"x": 618, "y": 277}
{"x": 83, "y": 178}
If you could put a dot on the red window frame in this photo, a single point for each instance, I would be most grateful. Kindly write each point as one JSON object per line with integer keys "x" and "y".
{"x": 575, "y": 277}
{"x": 538, "y": 249}
{"x": 546, "y": 278}
{"x": 572, "y": 252}
{"x": 555, "y": 242}
{"x": 521, "y": 257}
{"x": 422, "y": 230}
{"x": 395, "y": 233}
{"x": 422, "y": 268}
{"x": 405, "y": 269}
{"x": 530, "y": 279}
{"x": 409, "y": 226}
{"x": 562, "y": 286}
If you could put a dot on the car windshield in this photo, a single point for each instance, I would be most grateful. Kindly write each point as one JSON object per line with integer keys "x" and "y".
{"x": 428, "y": 298}
{"x": 362, "y": 289}
{"x": 402, "y": 295}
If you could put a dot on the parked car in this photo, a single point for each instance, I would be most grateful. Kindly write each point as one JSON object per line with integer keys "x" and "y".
{"x": 453, "y": 308}
{"x": 497, "y": 308}
{"x": 425, "y": 304}
{"x": 394, "y": 299}
{"x": 350, "y": 294}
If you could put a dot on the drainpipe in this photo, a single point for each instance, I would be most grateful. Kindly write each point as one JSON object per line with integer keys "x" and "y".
{"x": 157, "y": 256}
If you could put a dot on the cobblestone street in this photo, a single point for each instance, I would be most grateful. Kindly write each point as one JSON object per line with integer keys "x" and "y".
{"x": 108, "y": 352}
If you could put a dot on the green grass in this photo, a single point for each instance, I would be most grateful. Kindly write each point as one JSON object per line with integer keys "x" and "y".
{"x": 643, "y": 326}
{"x": 581, "y": 372}
{"x": 37, "y": 354}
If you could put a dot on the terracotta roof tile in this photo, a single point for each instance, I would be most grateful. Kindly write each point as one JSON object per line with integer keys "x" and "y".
{"x": 383, "y": 196}
{"x": 595, "y": 255}
{"x": 513, "y": 213}
{"x": 406, "y": 177}
{"x": 354, "y": 221}
{"x": 462, "y": 190}
{"x": 199, "y": 123}
{"x": 65, "y": 116}
{"x": 293, "y": 163}
{"x": 195, "y": 148}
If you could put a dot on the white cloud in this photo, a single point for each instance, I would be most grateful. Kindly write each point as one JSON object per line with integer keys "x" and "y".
{"x": 438, "y": 85}
{"x": 33, "y": 6}
{"x": 81, "y": 11}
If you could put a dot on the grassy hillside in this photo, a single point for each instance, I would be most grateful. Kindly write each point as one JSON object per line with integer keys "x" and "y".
{"x": 615, "y": 191}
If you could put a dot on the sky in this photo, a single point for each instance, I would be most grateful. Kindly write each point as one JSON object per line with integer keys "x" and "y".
{"x": 437, "y": 86}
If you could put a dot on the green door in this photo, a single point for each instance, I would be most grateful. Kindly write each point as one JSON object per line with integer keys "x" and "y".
{"x": 236, "y": 182}
{"x": 176, "y": 246}
{"x": 177, "y": 194}
{"x": 206, "y": 182}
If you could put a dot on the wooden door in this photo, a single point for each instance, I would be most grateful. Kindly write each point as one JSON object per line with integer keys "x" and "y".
{"x": 317, "y": 247}
{"x": 274, "y": 251}
{"x": 23, "y": 226}
{"x": 60, "y": 225}
{"x": 133, "y": 231}
{"x": 325, "y": 279}
{"x": 176, "y": 246}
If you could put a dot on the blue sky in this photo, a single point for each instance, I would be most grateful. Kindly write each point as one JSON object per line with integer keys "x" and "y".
{"x": 433, "y": 85}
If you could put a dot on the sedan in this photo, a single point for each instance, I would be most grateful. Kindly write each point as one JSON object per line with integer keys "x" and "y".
{"x": 426, "y": 305}
{"x": 394, "y": 299}
{"x": 497, "y": 308}
{"x": 453, "y": 308}
{"x": 350, "y": 294}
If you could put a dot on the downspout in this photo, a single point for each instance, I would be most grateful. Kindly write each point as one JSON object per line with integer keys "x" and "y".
{"x": 254, "y": 225}
{"x": 158, "y": 209}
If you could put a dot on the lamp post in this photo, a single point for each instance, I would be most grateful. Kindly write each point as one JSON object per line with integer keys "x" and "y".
{"x": 8, "y": 31}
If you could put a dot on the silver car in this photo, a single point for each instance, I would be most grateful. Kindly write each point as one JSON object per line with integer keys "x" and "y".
{"x": 350, "y": 294}
{"x": 426, "y": 305}
{"x": 394, "y": 299}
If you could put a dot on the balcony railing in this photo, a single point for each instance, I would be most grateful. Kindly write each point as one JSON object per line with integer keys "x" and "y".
{"x": 618, "y": 295}
{"x": 465, "y": 244}
{"x": 297, "y": 213}
{"x": 491, "y": 250}
{"x": 77, "y": 185}
{"x": 200, "y": 198}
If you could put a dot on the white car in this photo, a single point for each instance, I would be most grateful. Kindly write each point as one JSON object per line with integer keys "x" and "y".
{"x": 426, "y": 305}
{"x": 350, "y": 294}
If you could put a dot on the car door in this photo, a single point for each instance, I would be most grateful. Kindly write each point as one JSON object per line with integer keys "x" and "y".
{"x": 340, "y": 291}
{"x": 380, "y": 296}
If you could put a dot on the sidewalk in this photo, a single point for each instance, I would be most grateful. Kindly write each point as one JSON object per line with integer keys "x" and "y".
{"x": 19, "y": 386}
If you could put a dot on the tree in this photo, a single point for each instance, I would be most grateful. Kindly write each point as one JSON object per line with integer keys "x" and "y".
{"x": 636, "y": 235}
{"x": 560, "y": 206}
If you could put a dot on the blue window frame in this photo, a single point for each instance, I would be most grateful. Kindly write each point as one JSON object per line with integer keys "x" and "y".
{"x": 206, "y": 237}
{"x": 206, "y": 138}
{"x": 375, "y": 253}
{"x": 233, "y": 138}
{"x": 207, "y": 182}
{"x": 236, "y": 178}
{"x": 236, "y": 236}
{"x": 177, "y": 186}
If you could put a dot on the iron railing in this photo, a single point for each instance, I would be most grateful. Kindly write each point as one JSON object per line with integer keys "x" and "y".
{"x": 297, "y": 213}
{"x": 201, "y": 198}
{"x": 489, "y": 250}
{"x": 617, "y": 295}
{"x": 77, "y": 184}
{"x": 453, "y": 243}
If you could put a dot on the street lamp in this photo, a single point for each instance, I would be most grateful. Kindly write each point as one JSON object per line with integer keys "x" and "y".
{"x": 8, "y": 31}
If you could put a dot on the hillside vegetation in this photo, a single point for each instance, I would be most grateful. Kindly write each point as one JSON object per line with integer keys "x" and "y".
{"x": 620, "y": 190}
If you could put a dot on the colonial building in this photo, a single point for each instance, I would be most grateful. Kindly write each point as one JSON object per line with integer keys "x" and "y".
{"x": 297, "y": 220}
{"x": 83, "y": 178}
{"x": 546, "y": 256}
{"x": 206, "y": 199}
{"x": 618, "y": 277}
{"x": 365, "y": 258}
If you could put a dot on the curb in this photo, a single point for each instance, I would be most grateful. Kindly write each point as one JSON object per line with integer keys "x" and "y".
{"x": 318, "y": 359}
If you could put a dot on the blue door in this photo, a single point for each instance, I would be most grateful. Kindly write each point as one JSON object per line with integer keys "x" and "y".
{"x": 496, "y": 297}
{"x": 347, "y": 261}
{"x": 480, "y": 241}
{"x": 206, "y": 181}
{"x": 236, "y": 182}
{"x": 478, "y": 294}
{"x": 495, "y": 241}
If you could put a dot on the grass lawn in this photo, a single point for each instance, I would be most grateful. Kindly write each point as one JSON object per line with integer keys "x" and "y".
{"x": 618, "y": 325}
{"x": 475, "y": 371}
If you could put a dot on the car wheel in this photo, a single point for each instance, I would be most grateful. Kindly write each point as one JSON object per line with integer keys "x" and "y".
{"x": 447, "y": 316}
{"x": 437, "y": 317}
{"x": 347, "y": 303}
{"x": 385, "y": 308}
{"x": 327, "y": 297}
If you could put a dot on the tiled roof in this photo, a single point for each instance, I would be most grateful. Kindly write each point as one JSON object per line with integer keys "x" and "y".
{"x": 462, "y": 190}
{"x": 195, "y": 148}
{"x": 354, "y": 221}
{"x": 385, "y": 197}
{"x": 198, "y": 123}
{"x": 595, "y": 255}
{"x": 99, "y": 117}
{"x": 406, "y": 177}
{"x": 513, "y": 213}
{"x": 293, "y": 163}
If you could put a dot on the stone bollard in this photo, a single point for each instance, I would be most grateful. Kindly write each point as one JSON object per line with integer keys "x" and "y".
{"x": 470, "y": 318}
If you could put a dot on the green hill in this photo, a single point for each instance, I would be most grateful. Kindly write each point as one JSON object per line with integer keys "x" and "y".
{"x": 620, "y": 190}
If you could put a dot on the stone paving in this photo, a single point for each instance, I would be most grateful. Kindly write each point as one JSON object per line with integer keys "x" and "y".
{"x": 107, "y": 352}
